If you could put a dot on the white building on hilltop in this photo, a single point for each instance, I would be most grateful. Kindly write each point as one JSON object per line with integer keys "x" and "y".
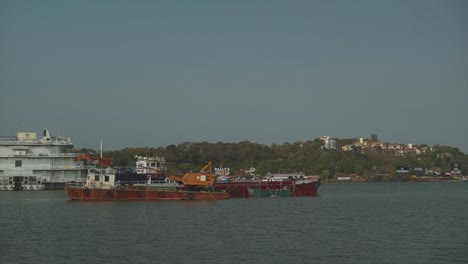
{"x": 328, "y": 143}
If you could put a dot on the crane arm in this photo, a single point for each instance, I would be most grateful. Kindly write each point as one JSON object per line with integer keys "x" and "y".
{"x": 206, "y": 168}
{"x": 203, "y": 178}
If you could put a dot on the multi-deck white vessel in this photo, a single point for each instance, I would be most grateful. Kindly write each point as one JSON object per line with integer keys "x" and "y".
{"x": 31, "y": 163}
{"x": 150, "y": 165}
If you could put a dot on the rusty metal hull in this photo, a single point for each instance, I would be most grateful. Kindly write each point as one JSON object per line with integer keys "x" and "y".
{"x": 87, "y": 194}
{"x": 273, "y": 188}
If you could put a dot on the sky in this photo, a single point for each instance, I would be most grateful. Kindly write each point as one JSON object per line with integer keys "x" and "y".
{"x": 155, "y": 73}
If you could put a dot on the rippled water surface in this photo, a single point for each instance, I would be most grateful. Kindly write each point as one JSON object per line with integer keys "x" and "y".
{"x": 346, "y": 223}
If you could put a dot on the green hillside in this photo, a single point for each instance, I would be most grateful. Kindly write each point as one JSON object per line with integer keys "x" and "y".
{"x": 309, "y": 157}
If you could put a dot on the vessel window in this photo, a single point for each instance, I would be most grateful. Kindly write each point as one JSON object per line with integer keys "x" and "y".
{"x": 106, "y": 178}
{"x": 18, "y": 163}
{"x": 96, "y": 177}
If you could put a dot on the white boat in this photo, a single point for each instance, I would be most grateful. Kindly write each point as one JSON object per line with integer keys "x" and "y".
{"x": 31, "y": 163}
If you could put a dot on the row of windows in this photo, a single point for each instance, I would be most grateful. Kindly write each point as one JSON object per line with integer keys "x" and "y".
{"x": 152, "y": 164}
{"x": 18, "y": 163}
{"x": 97, "y": 178}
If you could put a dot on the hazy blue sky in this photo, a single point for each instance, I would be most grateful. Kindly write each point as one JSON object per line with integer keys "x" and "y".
{"x": 154, "y": 73}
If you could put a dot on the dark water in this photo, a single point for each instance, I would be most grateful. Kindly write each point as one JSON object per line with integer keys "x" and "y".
{"x": 346, "y": 223}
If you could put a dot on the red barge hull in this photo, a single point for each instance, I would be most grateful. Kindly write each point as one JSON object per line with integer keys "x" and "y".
{"x": 87, "y": 194}
{"x": 270, "y": 188}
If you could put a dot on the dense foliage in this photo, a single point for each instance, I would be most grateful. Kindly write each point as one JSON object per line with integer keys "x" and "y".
{"x": 308, "y": 157}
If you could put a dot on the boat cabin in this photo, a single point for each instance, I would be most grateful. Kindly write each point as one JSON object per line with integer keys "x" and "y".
{"x": 102, "y": 179}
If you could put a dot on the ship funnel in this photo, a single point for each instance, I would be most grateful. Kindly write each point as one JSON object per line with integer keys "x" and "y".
{"x": 45, "y": 135}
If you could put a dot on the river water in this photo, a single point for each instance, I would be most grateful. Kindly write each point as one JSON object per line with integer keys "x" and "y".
{"x": 346, "y": 223}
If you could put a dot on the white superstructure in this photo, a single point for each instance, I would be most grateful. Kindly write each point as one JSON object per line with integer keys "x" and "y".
{"x": 150, "y": 165}
{"x": 30, "y": 163}
{"x": 283, "y": 176}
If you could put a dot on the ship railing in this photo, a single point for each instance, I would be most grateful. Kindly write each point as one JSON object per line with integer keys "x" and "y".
{"x": 10, "y": 142}
{"x": 145, "y": 184}
{"x": 43, "y": 167}
{"x": 40, "y": 155}
{"x": 68, "y": 167}
{"x": 139, "y": 183}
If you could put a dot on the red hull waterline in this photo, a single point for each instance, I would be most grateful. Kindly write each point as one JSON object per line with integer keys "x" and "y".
{"x": 241, "y": 189}
{"x": 86, "y": 194}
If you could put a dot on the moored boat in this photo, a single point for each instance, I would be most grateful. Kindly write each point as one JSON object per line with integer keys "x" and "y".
{"x": 296, "y": 186}
{"x": 105, "y": 185}
{"x": 29, "y": 162}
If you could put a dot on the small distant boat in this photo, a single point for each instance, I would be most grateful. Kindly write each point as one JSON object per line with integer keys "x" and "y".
{"x": 107, "y": 185}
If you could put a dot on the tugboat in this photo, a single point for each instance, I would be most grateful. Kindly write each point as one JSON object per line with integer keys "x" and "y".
{"x": 107, "y": 185}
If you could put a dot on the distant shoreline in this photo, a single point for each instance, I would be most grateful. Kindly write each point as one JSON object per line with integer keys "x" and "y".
{"x": 426, "y": 179}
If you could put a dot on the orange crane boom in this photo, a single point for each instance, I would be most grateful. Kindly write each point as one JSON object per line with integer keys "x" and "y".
{"x": 204, "y": 178}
